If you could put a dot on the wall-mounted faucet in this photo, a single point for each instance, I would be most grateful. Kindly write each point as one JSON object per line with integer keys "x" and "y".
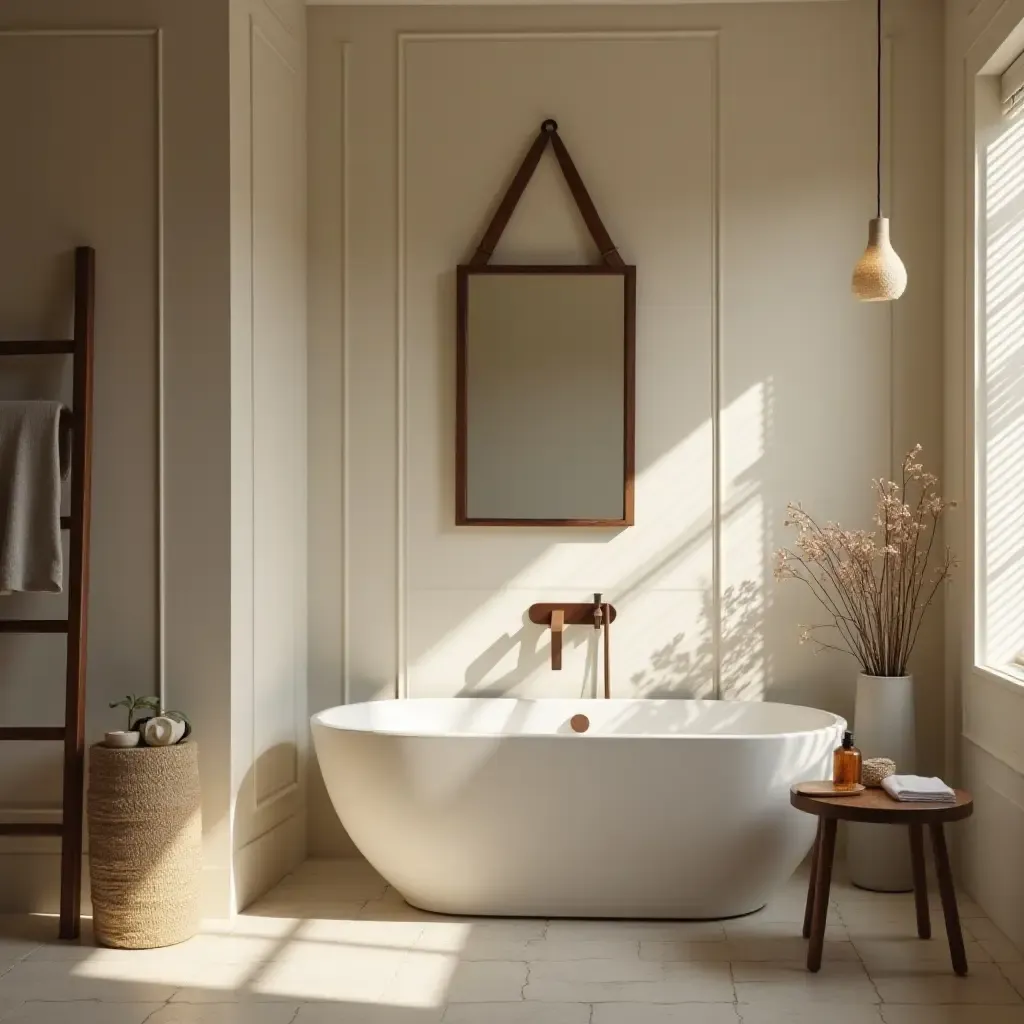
{"x": 557, "y": 629}
{"x": 598, "y": 614}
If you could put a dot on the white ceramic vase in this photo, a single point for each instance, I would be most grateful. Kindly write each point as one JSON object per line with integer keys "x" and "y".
{"x": 884, "y": 726}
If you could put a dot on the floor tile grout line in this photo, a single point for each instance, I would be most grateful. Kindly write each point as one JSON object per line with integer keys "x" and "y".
{"x": 1009, "y": 981}
{"x": 871, "y": 980}
{"x": 163, "y": 1006}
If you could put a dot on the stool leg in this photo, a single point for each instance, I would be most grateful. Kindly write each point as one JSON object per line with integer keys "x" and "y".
{"x": 809, "y": 906}
{"x": 945, "y": 875}
{"x": 924, "y": 924}
{"x": 822, "y": 886}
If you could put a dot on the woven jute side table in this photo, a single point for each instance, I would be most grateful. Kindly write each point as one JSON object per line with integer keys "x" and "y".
{"x": 145, "y": 844}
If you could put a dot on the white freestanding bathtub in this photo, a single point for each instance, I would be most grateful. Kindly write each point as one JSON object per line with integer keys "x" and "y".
{"x": 661, "y": 809}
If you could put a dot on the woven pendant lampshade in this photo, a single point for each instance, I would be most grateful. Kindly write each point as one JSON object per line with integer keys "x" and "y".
{"x": 880, "y": 275}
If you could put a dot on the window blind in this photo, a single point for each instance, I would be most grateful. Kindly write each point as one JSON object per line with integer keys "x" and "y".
{"x": 1012, "y": 88}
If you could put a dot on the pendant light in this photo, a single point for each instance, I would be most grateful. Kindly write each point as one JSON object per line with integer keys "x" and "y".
{"x": 879, "y": 275}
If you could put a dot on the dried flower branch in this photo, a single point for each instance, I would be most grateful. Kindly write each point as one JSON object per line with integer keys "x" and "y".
{"x": 875, "y": 587}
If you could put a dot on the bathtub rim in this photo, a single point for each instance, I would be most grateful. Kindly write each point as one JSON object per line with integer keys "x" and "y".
{"x": 317, "y": 721}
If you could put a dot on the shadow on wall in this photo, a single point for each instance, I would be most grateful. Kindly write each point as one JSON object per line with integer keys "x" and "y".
{"x": 533, "y": 655}
{"x": 681, "y": 670}
{"x": 683, "y": 630}
{"x": 746, "y": 641}
{"x": 722, "y": 649}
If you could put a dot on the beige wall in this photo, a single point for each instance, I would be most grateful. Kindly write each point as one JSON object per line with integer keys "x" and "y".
{"x": 82, "y": 114}
{"x": 86, "y": 103}
{"x": 130, "y": 120}
{"x": 730, "y": 151}
{"x": 986, "y": 708}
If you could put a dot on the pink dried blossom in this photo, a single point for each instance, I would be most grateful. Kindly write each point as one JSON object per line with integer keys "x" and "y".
{"x": 876, "y": 586}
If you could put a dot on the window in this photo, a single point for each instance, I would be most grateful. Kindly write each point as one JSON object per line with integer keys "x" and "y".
{"x": 1000, "y": 371}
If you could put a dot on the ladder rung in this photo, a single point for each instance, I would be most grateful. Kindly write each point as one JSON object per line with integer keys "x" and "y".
{"x": 30, "y": 828}
{"x": 36, "y": 348}
{"x": 33, "y": 625}
{"x": 31, "y": 732}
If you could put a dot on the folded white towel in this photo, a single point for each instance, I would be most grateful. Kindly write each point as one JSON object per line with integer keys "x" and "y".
{"x": 918, "y": 789}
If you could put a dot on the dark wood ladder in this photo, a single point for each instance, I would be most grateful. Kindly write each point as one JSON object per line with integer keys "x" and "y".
{"x": 72, "y": 732}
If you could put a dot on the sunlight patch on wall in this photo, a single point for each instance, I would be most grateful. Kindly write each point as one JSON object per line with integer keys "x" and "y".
{"x": 744, "y": 578}
{"x": 656, "y": 573}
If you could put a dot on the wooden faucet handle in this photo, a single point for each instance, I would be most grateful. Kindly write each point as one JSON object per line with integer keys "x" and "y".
{"x": 557, "y": 628}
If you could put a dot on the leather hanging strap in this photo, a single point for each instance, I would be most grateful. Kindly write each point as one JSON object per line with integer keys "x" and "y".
{"x": 598, "y": 232}
{"x": 585, "y": 204}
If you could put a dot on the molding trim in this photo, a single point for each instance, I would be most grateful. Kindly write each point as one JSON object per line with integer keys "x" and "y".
{"x": 889, "y": 192}
{"x": 717, "y": 493}
{"x": 406, "y": 39}
{"x": 161, "y": 573}
{"x": 402, "y": 438}
{"x": 160, "y": 655}
{"x": 256, "y": 33}
{"x": 346, "y": 524}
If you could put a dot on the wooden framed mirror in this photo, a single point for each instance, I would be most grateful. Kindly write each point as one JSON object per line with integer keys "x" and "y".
{"x": 545, "y": 378}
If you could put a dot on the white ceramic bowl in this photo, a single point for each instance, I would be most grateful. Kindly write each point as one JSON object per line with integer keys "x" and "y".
{"x": 121, "y": 739}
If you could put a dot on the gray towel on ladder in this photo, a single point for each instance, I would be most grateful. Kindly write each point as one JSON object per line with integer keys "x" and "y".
{"x": 31, "y": 469}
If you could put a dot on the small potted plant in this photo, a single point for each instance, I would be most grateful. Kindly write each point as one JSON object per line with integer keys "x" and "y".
{"x": 130, "y": 737}
{"x": 148, "y": 724}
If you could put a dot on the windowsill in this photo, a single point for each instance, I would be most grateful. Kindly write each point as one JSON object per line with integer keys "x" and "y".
{"x": 1009, "y": 677}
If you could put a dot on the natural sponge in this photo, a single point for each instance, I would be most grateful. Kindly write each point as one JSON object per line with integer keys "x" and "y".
{"x": 875, "y": 769}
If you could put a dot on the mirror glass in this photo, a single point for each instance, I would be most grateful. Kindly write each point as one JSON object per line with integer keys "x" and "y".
{"x": 545, "y": 395}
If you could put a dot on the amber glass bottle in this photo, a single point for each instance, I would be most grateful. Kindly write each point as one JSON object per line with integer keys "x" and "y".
{"x": 846, "y": 764}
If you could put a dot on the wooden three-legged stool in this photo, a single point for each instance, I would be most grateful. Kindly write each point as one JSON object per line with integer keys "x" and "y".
{"x": 877, "y": 807}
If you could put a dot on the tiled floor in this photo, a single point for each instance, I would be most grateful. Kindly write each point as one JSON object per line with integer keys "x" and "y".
{"x": 333, "y": 945}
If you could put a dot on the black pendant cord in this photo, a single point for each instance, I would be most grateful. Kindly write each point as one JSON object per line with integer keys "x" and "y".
{"x": 878, "y": 107}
